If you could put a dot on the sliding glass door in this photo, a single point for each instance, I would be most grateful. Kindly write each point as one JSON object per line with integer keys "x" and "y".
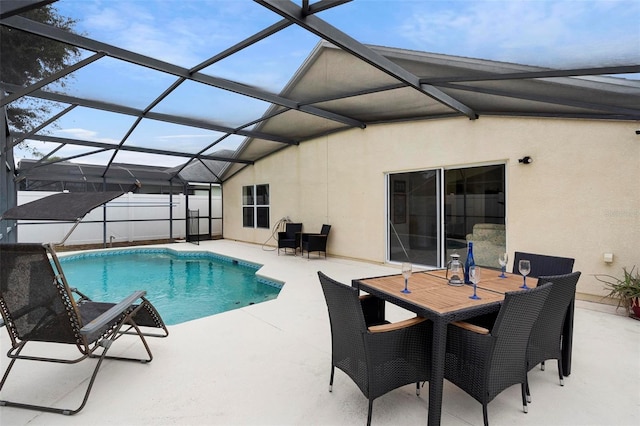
{"x": 414, "y": 216}
{"x": 431, "y": 213}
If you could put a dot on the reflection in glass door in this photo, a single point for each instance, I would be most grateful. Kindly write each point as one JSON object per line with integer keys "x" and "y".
{"x": 427, "y": 222}
{"x": 414, "y": 216}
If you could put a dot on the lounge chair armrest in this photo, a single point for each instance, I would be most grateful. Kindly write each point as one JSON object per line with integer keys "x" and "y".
{"x": 114, "y": 312}
{"x": 396, "y": 325}
{"x": 471, "y": 327}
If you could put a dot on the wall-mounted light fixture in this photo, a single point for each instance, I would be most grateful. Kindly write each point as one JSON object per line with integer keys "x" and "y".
{"x": 525, "y": 160}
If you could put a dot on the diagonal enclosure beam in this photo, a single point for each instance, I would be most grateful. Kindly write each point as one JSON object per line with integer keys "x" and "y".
{"x": 57, "y": 34}
{"x": 107, "y": 146}
{"x": 329, "y": 33}
{"x": 168, "y": 118}
{"x": 68, "y": 70}
{"x": 14, "y": 7}
{"x": 629, "y": 112}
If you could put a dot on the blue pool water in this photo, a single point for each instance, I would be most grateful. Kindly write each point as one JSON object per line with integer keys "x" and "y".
{"x": 181, "y": 285}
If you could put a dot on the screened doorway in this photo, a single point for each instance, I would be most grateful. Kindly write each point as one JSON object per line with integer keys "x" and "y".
{"x": 431, "y": 212}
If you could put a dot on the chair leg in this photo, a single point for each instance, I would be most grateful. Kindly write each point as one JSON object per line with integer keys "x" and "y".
{"x": 528, "y": 392}
{"x": 369, "y": 413}
{"x": 64, "y": 411}
{"x": 560, "y": 372}
{"x": 485, "y": 415}
{"x": 542, "y": 366}
{"x": 418, "y": 388}
{"x": 331, "y": 379}
{"x": 523, "y": 389}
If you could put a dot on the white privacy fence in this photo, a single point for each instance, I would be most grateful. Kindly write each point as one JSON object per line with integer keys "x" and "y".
{"x": 129, "y": 218}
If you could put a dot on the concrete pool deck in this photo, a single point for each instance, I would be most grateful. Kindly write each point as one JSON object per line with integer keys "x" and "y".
{"x": 269, "y": 364}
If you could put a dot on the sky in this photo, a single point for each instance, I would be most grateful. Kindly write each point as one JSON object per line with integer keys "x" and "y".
{"x": 553, "y": 33}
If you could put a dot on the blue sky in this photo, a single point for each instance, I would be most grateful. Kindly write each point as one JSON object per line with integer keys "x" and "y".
{"x": 560, "y": 34}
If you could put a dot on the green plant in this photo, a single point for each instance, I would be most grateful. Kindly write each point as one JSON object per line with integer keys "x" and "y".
{"x": 626, "y": 289}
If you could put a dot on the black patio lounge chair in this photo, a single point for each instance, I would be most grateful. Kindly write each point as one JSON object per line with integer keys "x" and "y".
{"x": 377, "y": 358}
{"x": 545, "y": 341}
{"x": 290, "y": 237}
{"x": 316, "y": 242}
{"x": 37, "y": 305}
{"x": 484, "y": 362}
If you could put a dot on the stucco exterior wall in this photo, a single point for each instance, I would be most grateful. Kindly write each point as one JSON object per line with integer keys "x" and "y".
{"x": 579, "y": 198}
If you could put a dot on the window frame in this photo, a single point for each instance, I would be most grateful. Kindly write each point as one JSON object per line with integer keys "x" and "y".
{"x": 255, "y": 202}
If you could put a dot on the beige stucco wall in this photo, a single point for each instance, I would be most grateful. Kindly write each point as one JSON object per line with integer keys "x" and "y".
{"x": 579, "y": 198}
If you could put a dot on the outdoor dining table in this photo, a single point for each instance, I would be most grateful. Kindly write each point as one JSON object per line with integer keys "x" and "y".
{"x": 432, "y": 297}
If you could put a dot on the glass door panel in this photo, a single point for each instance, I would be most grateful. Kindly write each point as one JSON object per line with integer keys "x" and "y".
{"x": 414, "y": 217}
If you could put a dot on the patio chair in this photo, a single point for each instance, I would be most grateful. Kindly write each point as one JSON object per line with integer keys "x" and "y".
{"x": 37, "y": 305}
{"x": 316, "y": 242}
{"x": 543, "y": 265}
{"x": 484, "y": 362}
{"x": 545, "y": 341}
{"x": 290, "y": 237}
{"x": 377, "y": 358}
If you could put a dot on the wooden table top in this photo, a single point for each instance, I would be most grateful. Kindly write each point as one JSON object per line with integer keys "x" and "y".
{"x": 431, "y": 290}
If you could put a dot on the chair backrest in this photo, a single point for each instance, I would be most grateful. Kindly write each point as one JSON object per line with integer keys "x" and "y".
{"x": 544, "y": 342}
{"x": 347, "y": 325}
{"x": 511, "y": 331}
{"x": 35, "y": 303}
{"x": 325, "y": 229}
{"x": 291, "y": 229}
{"x": 544, "y": 265}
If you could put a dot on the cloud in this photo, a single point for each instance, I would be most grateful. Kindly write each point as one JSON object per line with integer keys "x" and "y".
{"x": 531, "y": 32}
{"x": 85, "y": 134}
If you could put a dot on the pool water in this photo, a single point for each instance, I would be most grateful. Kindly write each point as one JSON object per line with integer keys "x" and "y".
{"x": 183, "y": 286}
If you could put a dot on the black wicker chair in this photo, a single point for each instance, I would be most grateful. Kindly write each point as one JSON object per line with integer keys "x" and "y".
{"x": 316, "y": 242}
{"x": 545, "y": 341}
{"x": 377, "y": 358}
{"x": 543, "y": 265}
{"x": 290, "y": 237}
{"x": 37, "y": 305}
{"x": 484, "y": 362}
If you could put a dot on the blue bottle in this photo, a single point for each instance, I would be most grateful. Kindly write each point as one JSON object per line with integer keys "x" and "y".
{"x": 468, "y": 263}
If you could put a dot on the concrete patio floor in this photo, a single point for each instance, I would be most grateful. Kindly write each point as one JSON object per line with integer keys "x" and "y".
{"x": 269, "y": 364}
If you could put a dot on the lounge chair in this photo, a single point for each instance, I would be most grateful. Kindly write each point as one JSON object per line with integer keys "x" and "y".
{"x": 37, "y": 305}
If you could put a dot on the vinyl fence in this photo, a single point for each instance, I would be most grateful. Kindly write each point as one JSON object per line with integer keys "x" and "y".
{"x": 129, "y": 218}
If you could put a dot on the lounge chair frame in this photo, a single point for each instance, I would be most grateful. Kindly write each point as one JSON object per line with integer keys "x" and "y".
{"x": 37, "y": 305}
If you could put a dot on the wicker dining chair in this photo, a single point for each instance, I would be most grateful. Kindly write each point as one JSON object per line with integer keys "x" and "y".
{"x": 37, "y": 305}
{"x": 545, "y": 341}
{"x": 377, "y": 358}
{"x": 484, "y": 362}
{"x": 542, "y": 264}
{"x": 316, "y": 242}
{"x": 290, "y": 237}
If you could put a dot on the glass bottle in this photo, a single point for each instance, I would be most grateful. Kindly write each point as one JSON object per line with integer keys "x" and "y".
{"x": 468, "y": 263}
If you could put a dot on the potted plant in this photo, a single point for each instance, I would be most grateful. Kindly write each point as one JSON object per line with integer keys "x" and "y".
{"x": 625, "y": 289}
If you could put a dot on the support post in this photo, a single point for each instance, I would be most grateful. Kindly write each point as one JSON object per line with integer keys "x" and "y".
{"x": 8, "y": 187}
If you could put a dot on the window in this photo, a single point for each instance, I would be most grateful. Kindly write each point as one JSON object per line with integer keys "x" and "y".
{"x": 255, "y": 206}
{"x": 431, "y": 212}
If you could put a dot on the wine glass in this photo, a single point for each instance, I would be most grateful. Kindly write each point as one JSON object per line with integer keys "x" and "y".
{"x": 406, "y": 273}
{"x": 524, "y": 266}
{"x": 503, "y": 260}
{"x": 474, "y": 277}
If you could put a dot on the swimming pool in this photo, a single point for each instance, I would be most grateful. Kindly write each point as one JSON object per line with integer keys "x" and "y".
{"x": 183, "y": 286}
